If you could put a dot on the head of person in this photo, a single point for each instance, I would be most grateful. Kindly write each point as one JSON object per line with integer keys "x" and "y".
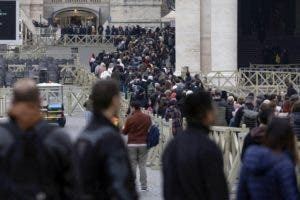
{"x": 106, "y": 98}
{"x": 135, "y": 106}
{"x": 224, "y": 95}
{"x": 199, "y": 109}
{"x": 266, "y": 113}
{"x": 249, "y": 100}
{"x": 230, "y": 100}
{"x": 281, "y": 138}
{"x": 25, "y": 108}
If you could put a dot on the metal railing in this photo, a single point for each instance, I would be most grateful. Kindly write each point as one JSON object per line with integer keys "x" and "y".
{"x": 74, "y": 98}
{"x": 73, "y": 40}
{"x": 230, "y": 141}
{"x": 244, "y": 81}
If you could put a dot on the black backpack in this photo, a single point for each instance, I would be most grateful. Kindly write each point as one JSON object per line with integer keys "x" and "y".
{"x": 249, "y": 118}
{"x": 28, "y": 167}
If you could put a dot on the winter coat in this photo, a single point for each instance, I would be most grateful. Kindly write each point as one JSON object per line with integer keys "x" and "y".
{"x": 193, "y": 167}
{"x": 267, "y": 175}
{"x": 55, "y": 165}
{"x": 105, "y": 171}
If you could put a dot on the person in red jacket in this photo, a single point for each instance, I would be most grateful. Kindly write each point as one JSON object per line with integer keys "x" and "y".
{"x": 137, "y": 127}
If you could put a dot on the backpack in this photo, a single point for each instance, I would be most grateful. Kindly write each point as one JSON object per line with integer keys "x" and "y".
{"x": 249, "y": 118}
{"x": 87, "y": 161}
{"x": 28, "y": 166}
{"x": 153, "y": 137}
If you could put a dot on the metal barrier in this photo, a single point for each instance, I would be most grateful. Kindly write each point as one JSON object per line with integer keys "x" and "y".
{"x": 242, "y": 82}
{"x": 230, "y": 141}
{"x": 74, "y": 40}
{"x": 74, "y": 99}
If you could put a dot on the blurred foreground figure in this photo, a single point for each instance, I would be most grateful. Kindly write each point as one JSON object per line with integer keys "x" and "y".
{"x": 104, "y": 166}
{"x": 268, "y": 171}
{"x": 35, "y": 158}
{"x": 192, "y": 163}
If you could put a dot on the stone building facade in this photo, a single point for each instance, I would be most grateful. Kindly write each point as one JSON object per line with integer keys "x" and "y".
{"x": 116, "y": 12}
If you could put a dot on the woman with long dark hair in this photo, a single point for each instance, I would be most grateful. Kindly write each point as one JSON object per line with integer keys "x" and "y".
{"x": 269, "y": 170}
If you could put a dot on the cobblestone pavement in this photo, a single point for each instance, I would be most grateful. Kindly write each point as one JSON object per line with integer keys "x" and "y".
{"x": 74, "y": 126}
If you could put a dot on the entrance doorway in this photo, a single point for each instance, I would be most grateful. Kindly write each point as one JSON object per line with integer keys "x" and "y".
{"x": 75, "y": 17}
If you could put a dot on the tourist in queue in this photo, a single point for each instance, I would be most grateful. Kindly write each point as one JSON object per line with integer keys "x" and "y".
{"x": 256, "y": 135}
{"x": 92, "y": 62}
{"x": 103, "y": 163}
{"x": 172, "y": 112}
{"x": 192, "y": 163}
{"x": 268, "y": 171}
{"x": 88, "y": 113}
{"x": 295, "y": 119}
{"x": 136, "y": 128}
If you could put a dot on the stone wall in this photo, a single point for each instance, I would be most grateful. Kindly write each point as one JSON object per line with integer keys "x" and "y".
{"x": 130, "y": 12}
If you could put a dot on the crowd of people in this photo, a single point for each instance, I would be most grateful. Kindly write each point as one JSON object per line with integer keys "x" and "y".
{"x": 39, "y": 161}
{"x": 273, "y": 120}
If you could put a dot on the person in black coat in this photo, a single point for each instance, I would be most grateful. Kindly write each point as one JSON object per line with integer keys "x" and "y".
{"x": 290, "y": 90}
{"x": 192, "y": 163}
{"x": 103, "y": 162}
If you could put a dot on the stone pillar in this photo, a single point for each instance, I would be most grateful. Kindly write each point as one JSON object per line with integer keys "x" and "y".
{"x": 224, "y": 35}
{"x": 188, "y": 35}
{"x": 205, "y": 35}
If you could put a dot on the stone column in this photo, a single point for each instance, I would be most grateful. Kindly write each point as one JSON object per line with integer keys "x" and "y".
{"x": 205, "y": 35}
{"x": 224, "y": 35}
{"x": 188, "y": 35}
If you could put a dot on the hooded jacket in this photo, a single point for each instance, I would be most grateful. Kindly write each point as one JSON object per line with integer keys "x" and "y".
{"x": 267, "y": 175}
{"x": 255, "y": 137}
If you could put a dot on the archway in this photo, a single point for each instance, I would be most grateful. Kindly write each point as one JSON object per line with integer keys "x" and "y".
{"x": 75, "y": 17}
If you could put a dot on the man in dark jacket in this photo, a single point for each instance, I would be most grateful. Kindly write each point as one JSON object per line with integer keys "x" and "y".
{"x": 35, "y": 158}
{"x": 192, "y": 163}
{"x": 257, "y": 134}
{"x": 246, "y": 114}
{"x": 221, "y": 105}
{"x": 290, "y": 88}
{"x": 104, "y": 166}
